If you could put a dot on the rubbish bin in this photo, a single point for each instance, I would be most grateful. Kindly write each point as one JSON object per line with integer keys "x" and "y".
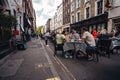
{"x": 21, "y": 45}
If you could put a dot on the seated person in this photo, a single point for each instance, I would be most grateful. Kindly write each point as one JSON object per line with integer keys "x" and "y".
{"x": 67, "y": 38}
{"x": 89, "y": 39}
{"x": 74, "y": 35}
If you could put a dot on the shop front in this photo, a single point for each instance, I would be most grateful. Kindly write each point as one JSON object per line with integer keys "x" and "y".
{"x": 116, "y": 24}
{"x": 97, "y": 22}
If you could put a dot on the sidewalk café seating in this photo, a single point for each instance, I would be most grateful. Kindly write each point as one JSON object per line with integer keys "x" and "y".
{"x": 103, "y": 46}
{"x": 74, "y": 46}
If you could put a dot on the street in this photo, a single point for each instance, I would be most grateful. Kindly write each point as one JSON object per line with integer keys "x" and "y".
{"x": 38, "y": 63}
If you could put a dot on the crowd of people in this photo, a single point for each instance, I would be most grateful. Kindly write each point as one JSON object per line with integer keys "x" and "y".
{"x": 89, "y": 38}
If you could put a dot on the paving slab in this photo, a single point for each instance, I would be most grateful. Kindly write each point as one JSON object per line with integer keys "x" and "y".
{"x": 10, "y": 67}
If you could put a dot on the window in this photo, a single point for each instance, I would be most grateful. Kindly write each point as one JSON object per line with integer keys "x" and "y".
{"x": 99, "y": 7}
{"x": 72, "y": 19}
{"x": 87, "y": 12}
{"x": 78, "y": 16}
{"x": 72, "y": 7}
{"x": 77, "y": 3}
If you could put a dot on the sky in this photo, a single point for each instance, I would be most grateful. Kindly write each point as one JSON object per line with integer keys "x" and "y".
{"x": 45, "y": 9}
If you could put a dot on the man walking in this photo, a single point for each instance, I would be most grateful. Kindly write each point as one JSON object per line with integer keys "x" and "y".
{"x": 46, "y": 36}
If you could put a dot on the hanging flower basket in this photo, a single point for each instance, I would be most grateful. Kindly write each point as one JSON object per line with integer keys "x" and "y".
{"x": 7, "y": 20}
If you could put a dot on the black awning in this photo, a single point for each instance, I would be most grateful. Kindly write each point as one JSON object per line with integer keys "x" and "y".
{"x": 103, "y": 18}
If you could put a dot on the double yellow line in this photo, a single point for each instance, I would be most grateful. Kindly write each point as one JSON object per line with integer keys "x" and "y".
{"x": 60, "y": 63}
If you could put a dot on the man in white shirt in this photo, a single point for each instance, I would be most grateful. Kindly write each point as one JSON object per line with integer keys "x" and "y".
{"x": 88, "y": 38}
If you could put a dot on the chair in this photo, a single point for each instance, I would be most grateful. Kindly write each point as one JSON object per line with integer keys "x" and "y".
{"x": 93, "y": 51}
{"x": 103, "y": 46}
{"x": 117, "y": 48}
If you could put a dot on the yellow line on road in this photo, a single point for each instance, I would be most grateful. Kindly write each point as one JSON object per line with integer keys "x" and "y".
{"x": 59, "y": 62}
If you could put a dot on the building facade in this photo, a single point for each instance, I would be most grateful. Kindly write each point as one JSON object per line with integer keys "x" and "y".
{"x": 88, "y": 13}
{"x": 23, "y": 11}
{"x": 48, "y": 25}
{"x": 59, "y": 17}
{"x": 52, "y": 24}
{"x": 66, "y": 14}
{"x": 113, "y": 15}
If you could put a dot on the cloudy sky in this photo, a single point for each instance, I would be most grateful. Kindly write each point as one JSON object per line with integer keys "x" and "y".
{"x": 45, "y": 9}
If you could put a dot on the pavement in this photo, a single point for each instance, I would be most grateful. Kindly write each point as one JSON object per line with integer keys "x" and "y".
{"x": 30, "y": 64}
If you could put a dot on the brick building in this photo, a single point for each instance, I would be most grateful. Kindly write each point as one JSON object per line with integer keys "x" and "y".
{"x": 66, "y": 14}
{"x": 90, "y": 14}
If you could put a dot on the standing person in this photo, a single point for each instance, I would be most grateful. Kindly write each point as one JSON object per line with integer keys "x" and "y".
{"x": 94, "y": 33}
{"x": 90, "y": 41}
{"x": 103, "y": 34}
{"x": 46, "y": 36}
{"x": 59, "y": 42}
{"x": 60, "y": 38}
{"x": 29, "y": 34}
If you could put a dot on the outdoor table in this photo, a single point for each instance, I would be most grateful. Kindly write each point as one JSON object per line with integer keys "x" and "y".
{"x": 75, "y": 46}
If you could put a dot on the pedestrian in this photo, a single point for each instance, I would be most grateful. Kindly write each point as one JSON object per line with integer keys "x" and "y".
{"x": 46, "y": 37}
{"x": 29, "y": 34}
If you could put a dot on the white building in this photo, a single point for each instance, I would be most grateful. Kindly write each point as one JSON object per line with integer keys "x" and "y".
{"x": 114, "y": 15}
{"x": 16, "y": 10}
{"x": 52, "y": 24}
{"x": 59, "y": 16}
{"x": 55, "y": 21}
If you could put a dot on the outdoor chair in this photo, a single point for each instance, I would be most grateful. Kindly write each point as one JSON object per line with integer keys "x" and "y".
{"x": 103, "y": 47}
{"x": 93, "y": 52}
{"x": 117, "y": 48}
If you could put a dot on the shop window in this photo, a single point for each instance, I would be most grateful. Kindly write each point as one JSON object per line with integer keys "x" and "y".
{"x": 99, "y": 28}
{"x": 90, "y": 29}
